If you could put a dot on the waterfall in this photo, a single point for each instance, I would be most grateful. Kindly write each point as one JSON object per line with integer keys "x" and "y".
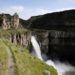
{"x": 38, "y": 51}
{"x": 36, "y": 47}
{"x": 62, "y": 68}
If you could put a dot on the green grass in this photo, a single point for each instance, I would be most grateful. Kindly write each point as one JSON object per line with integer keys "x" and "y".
{"x": 26, "y": 64}
{"x": 3, "y": 58}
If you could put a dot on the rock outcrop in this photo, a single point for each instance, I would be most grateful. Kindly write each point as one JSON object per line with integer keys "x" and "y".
{"x": 5, "y": 22}
{"x": 21, "y": 39}
{"x": 10, "y": 21}
{"x": 15, "y": 21}
{"x": 15, "y": 32}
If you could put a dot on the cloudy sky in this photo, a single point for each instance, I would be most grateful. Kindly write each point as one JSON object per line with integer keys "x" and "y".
{"x": 28, "y": 8}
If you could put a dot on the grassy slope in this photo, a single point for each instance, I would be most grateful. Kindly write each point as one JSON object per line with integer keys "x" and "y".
{"x": 3, "y": 58}
{"x": 26, "y": 64}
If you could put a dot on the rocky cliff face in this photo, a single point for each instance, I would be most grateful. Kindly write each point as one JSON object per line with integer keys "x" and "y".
{"x": 21, "y": 39}
{"x": 57, "y": 45}
{"x": 60, "y": 39}
{"x": 12, "y": 29}
{"x": 10, "y": 21}
{"x": 62, "y": 45}
{"x": 42, "y": 38}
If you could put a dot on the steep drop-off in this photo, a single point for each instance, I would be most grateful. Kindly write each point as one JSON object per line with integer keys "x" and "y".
{"x": 24, "y": 62}
{"x": 57, "y": 45}
{"x": 55, "y": 33}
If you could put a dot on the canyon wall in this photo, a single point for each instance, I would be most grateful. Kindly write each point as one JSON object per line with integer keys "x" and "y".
{"x": 42, "y": 38}
{"x": 60, "y": 27}
{"x": 62, "y": 45}
{"x": 57, "y": 45}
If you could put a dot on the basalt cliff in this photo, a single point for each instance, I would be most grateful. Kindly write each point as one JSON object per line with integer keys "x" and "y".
{"x": 13, "y": 28}
{"x": 55, "y": 33}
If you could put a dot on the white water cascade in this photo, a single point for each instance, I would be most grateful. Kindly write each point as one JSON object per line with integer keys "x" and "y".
{"x": 62, "y": 68}
{"x": 36, "y": 47}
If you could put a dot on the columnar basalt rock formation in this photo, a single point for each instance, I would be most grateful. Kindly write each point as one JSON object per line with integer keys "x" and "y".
{"x": 14, "y": 26}
{"x": 5, "y": 22}
{"x": 15, "y": 21}
{"x": 22, "y": 39}
{"x": 10, "y": 21}
{"x": 58, "y": 45}
{"x": 61, "y": 26}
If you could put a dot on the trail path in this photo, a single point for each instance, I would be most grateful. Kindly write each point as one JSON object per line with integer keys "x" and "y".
{"x": 10, "y": 63}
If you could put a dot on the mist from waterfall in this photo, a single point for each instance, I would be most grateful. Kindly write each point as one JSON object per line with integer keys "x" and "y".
{"x": 62, "y": 68}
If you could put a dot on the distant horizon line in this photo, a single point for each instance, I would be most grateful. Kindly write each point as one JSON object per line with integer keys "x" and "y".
{"x": 57, "y": 11}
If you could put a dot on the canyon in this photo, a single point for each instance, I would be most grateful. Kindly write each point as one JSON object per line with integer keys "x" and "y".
{"x": 55, "y": 34}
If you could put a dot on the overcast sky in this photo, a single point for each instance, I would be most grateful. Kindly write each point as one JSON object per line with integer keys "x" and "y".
{"x": 28, "y": 8}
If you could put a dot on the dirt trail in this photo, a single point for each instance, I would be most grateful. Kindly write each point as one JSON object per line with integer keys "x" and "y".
{"x": 10, "y": 64}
